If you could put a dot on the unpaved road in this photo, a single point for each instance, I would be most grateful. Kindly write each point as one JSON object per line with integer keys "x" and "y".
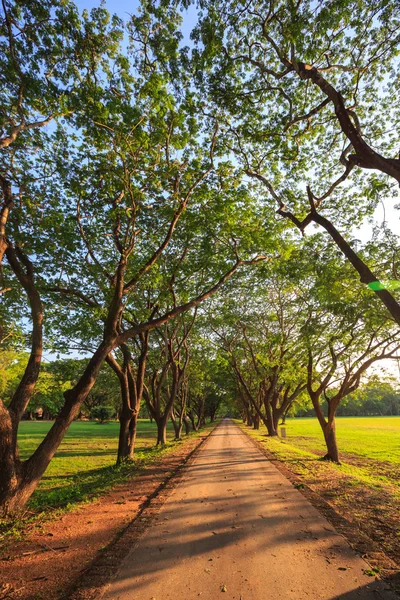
{"x": 236, "y": 528}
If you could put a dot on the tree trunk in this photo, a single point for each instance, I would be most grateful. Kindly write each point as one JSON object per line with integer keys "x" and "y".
{"x": 187, "y": 425}
{"x": 276, "y": 415}
{"x": 193, "y": 421}
{"x": 177, "y": 424}
{"x": 256, "y": 422}
{"x": 124, "y": 446}
{"x": 162, "y": 431}
{"x": 132, "y": 433}
{"x": 328, "y": 426}
{"x": 269, "y": 422}
{"x": 331, "y": 442}
{"x": 10, "y": 476}
{"x": 178, "y": 433}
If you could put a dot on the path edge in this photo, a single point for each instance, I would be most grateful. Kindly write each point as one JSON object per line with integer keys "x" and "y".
{"x": 353, "y": 536}
{"x": 94, "y": 580}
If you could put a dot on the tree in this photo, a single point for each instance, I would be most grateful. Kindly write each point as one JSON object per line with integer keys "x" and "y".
{"x": 168, "y": 370}
{"x": 103, "y": 413}
{"x": 265, "y": 347}
{"x": 50, "y": 57}
{"x": 307, "y": 112}
{"x": 344, "y": 333}
{"x": 135, "y": 166}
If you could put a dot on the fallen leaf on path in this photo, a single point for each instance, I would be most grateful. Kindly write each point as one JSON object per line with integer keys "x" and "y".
{"x": 224, "y": 588}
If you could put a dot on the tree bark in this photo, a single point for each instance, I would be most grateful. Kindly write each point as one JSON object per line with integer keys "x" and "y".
{"x": 268, "y": 421}
{"x": 162, "y": 431}
{"x": 193, "y": 421}
{"x": 187, "y": 425}
{"x": 8, "y": 204}
{"x": 177, "y": 424}
{"x": 366, "y": 275}
{"x": 331, "y": 443}
{"x": 10, "y": 475}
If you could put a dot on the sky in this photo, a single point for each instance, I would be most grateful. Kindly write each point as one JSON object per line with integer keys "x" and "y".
{"x": 113, "y": 6}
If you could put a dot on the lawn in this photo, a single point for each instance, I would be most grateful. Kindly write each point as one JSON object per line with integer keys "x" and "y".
{"x": 85, "y": 462}
{"x": 82, "y": 469}
{"x": 376, "y": 438}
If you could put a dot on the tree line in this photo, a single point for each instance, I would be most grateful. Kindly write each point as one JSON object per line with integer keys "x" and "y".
{"x": 155, "y": 200}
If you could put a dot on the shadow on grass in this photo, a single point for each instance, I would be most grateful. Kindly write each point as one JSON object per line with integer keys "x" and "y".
{"x": 85, "y": 485}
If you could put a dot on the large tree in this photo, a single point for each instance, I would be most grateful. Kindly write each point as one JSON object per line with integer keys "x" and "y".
{"x": 308, "y": 92}
{"x": 131, "y": 178}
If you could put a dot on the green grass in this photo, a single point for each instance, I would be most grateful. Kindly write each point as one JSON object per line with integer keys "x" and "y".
{"x": 82, "y": 469}
{"x": 369, "y": 448}
{"x": 84, "y": 465}
{"x": 376, "y": 438}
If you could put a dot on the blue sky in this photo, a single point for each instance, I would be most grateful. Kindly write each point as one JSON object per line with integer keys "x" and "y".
{"x": 120, "y": 7}
{"x": 124, "y": 8}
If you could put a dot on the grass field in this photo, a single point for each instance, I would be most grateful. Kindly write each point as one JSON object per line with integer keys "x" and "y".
{"x": 85, "y": 462}
{"x": 376, "y": 438}
{"x": 369, "y": 447}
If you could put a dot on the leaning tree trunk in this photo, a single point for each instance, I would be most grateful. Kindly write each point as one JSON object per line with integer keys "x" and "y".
{"x": 19, "y": 480}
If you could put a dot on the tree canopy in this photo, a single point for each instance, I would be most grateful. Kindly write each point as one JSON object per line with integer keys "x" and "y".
{"x": 182, "y": 219}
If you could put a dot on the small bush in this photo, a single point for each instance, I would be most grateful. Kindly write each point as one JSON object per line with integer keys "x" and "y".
{"x": 103, "y": 413}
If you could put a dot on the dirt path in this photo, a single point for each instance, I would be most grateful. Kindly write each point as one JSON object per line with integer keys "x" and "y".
{"x": 236, "y": 525}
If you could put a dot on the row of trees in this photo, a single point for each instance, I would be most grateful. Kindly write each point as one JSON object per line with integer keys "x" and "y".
{"x": 309, "y": 337}
{"x": 113, "y": 204}
{"x": 136, "y": 179}
{"x": 373, "y": 398}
